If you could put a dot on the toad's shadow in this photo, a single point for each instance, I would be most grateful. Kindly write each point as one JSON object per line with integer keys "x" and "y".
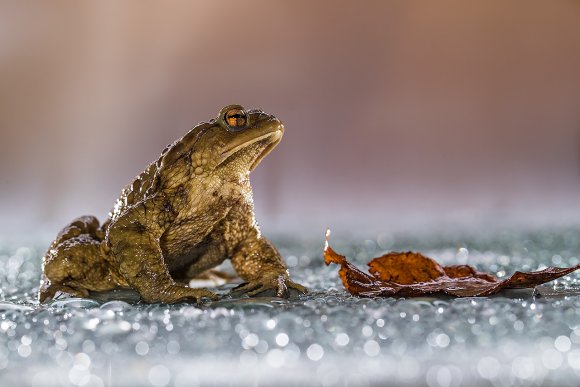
{"x": 226, "y": 299}
{"x": 269, "y": 299}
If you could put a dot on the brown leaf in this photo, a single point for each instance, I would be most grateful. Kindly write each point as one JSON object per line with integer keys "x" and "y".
{"x": 412, "y": 274}
{"x": 458, "y": 271}
{"x": 405, "y": 268}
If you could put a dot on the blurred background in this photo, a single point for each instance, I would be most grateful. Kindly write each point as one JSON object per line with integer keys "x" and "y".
{"x": 398, "y": 114}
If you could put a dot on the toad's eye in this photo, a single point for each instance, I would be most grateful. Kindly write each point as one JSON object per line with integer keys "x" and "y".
{"x": 236, "y": 119}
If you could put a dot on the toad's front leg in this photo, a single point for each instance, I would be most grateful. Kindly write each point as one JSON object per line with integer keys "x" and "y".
{"x": 259, "y": 263}
{"x": 133, "y": 242}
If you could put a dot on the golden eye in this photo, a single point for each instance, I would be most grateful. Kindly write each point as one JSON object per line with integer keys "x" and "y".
{"x": 236, "y": 118}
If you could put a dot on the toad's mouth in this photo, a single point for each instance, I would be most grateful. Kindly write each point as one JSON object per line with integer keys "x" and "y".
{"x": 267, "y": 142}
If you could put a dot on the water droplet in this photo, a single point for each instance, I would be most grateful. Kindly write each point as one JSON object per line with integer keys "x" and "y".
{"x": 282, "y": 339}
{"x": 315, "y": 352}
{"x": 562, "y": 343}
{"x": 372, "y": 348}
{"x": 342, "y": 339}
{"x": 159, "y": 376}
{"x": 142, "y": 348}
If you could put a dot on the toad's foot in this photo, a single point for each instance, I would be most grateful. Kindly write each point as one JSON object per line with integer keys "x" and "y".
{"x": 279, "y": 283}
{"x": 178, "y": 293}
{"x": 57, "y": 291}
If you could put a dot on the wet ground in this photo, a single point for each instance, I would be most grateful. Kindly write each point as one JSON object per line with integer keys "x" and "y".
{"x": 326, "y": 338}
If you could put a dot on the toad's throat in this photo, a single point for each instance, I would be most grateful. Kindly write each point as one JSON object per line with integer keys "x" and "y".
{"x": 272, "y": 138}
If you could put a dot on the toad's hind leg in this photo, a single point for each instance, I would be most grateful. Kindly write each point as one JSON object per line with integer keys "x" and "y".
{"x": 74, "y": 263}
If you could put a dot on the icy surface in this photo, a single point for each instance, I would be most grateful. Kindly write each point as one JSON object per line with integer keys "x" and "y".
{"x": 326, "y": 338}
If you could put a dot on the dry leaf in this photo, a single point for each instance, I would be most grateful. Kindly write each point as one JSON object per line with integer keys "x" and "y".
{"x": 412, "y": 274}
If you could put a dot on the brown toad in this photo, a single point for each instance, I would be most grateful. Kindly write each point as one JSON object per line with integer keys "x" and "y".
{"x": 186, "y": 213}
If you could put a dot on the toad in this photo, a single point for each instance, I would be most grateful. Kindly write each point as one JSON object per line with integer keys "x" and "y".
{"x": 185, "y": 214}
